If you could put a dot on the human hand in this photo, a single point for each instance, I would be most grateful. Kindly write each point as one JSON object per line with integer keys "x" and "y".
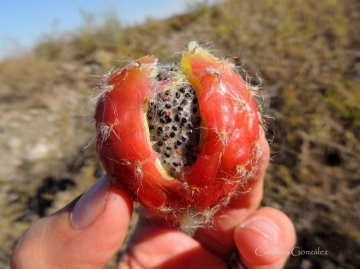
{"x": 88, "y": 231}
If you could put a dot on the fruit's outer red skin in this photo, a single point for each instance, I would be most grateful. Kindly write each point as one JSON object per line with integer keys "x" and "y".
{"x": 229, "y": 147}
{"x": 231, "y": 123}
{"x": 121, "y": 137}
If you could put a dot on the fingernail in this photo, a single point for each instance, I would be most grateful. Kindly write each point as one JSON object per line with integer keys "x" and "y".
{"x": 264, "y": 227}
{"x": 91, "y": 204}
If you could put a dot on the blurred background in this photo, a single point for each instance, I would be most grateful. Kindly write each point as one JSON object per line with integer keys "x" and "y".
{"x": 304, "y": 54}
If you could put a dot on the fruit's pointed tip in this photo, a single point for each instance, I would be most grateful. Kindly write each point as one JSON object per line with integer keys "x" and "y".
{"x": 149, "y": 59}
{"x": 192, "y": 46}
{"x": 196, "y": 50}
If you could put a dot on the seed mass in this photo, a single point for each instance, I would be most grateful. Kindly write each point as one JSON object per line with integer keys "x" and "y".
{"x": 174, "y": 126}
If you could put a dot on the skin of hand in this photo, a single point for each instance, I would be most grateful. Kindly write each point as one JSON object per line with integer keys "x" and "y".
{"x": 87, "y": 233}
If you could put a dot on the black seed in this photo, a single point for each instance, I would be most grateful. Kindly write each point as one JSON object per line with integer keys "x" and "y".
{"x": 194, "y": 158}
{"x": 162, "y": 76}
{"x": 190, "y": 125}
{"x": 175, "y": 164}
{"x": 183, "y": 120}
{"x": 168, "y": 119}
{"x": 168, "y": 105}
{"x": 180, "y": 108}
{"x": 183, "y": 138}
{"x": 167, "y": 93}
{"x": 159, "y": 129}
{"x": 172, "y": 134}
{"x": 167, "y": 154}
{"x": 164, "y": 138}
{"x": 159, "y": 143}
{"x": 177, "y": 117}
{"x": 178, "y": 142}
{"x": 174, "y": 128}
{"x": 190, "y": 131}
{"x": 187, "y": 94}
{"x": 177, "y": 95}
{"x": 175, "y": 103}
{"x": 192, "y": 91}
{"x": 182, "y": 90}
{"x": 184, "y": 102}
{"x": 151, "y": 127}
{"x": 176, "y": 146}
{"x": 158, "y": 150}
{"x": 162, "y": 120}
{"x": 195, "y": 100}
{"x": 161, "y": 113}
{"x": 194, "y": 109}
{"x": 169, "y": 148}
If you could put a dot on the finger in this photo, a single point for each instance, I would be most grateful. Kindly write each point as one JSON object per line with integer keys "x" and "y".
{"x": 265, "y": 239}
{"x": 219, "y": 239}
{"x": 84, "y": 234}
{"x": 157, "y": 245}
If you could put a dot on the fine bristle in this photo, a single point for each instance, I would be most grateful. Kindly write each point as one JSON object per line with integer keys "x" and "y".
{"x": 174, "y": 125}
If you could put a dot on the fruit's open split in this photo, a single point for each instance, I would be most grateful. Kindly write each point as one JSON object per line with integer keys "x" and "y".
{"x": 174, "y": 123}
{"x": 179, "y": 138}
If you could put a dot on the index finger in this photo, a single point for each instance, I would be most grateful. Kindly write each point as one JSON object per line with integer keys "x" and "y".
{"x": 219, "y": 239}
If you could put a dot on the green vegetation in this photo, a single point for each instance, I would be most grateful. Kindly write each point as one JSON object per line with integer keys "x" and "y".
{"x": 306, "y": 56}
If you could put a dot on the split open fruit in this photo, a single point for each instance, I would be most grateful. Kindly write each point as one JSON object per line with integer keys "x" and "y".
{"x": 180, "y": 138}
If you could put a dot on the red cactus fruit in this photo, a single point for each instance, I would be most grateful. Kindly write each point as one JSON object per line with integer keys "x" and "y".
{"x": 179, "y": 138}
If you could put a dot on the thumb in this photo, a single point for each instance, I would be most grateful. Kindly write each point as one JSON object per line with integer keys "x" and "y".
{"x": 84, "y": 234}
